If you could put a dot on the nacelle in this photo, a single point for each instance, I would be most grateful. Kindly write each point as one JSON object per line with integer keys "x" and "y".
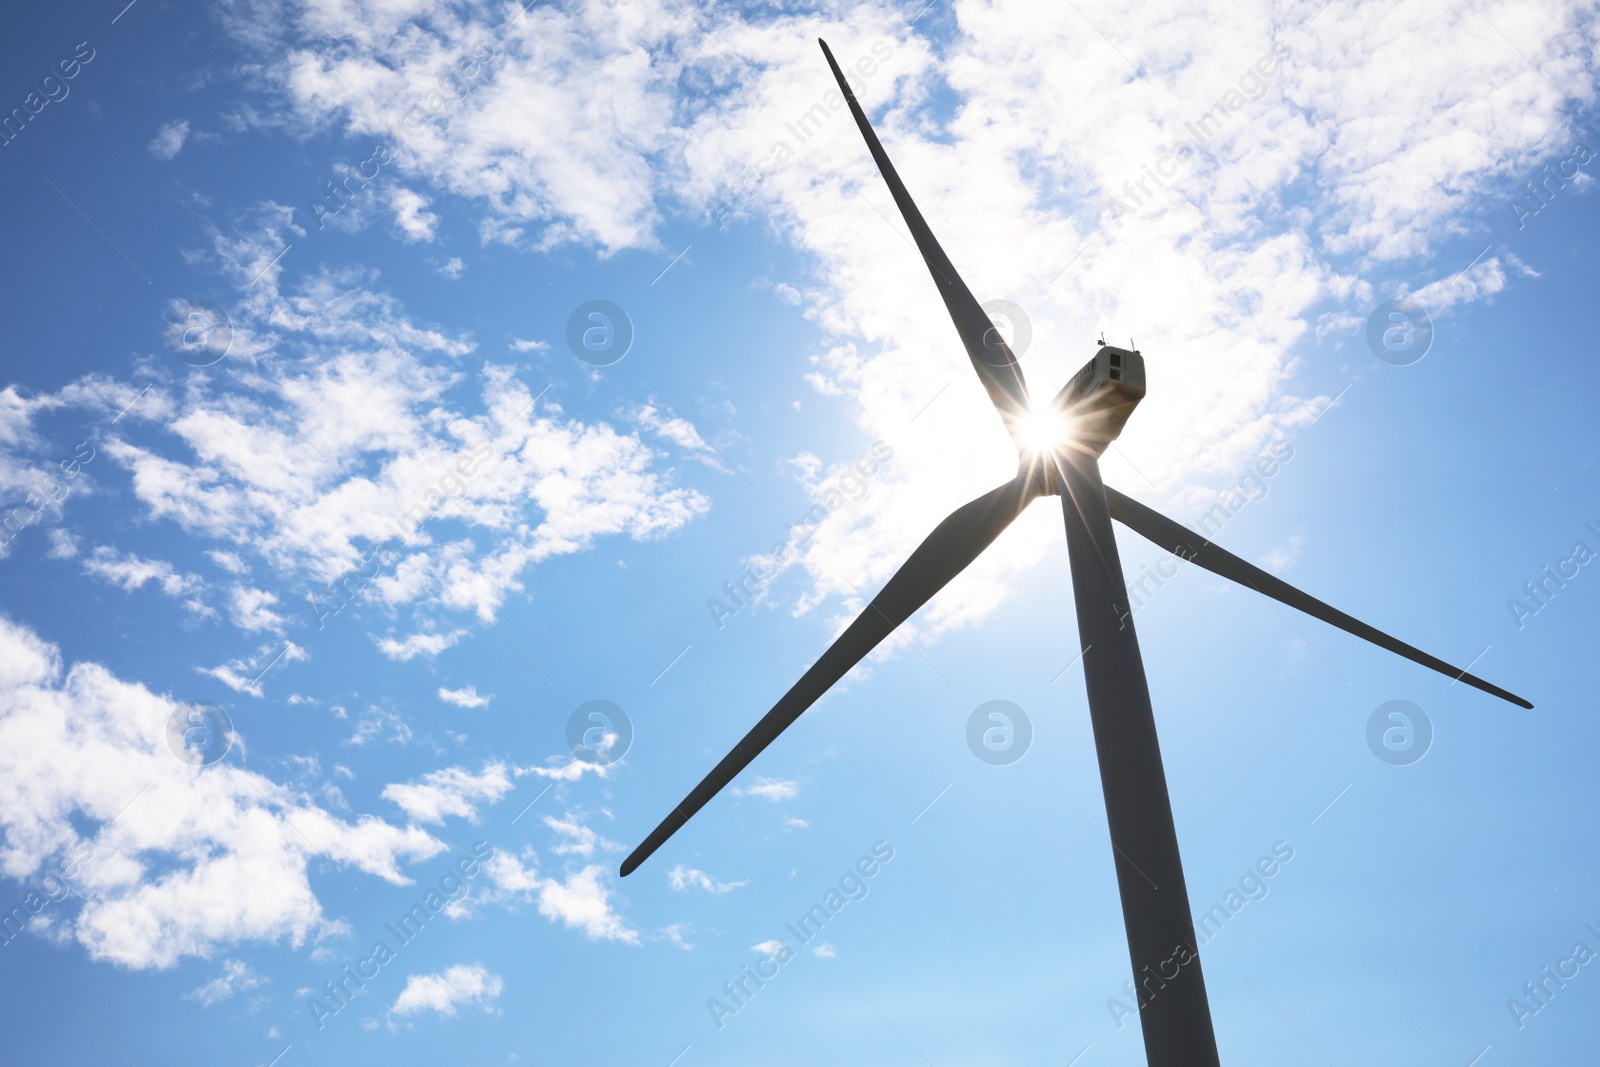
{"x": 1098, "y": 400}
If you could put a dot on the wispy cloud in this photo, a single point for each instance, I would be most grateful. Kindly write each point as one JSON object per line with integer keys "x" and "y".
{"x": 683, "y": 878}
{"x": 237, "y": 875}
{"x": 452, "y": 791}
{"x": 441, "y": 993}
{"x": 418, "y": 644}
{"x": 236, "y": 977}
{"x": 773, "y": 789}
{"x": 169, "y": 139}
{"x": 465, "y": 697}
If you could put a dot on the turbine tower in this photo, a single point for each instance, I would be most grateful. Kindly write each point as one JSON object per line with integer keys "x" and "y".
{"x": 1059, "y": 447}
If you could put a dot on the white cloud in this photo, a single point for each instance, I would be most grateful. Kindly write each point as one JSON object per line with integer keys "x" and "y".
{"x": 465, "y": 984}
{"x": 419, "y": 644}
{"x": 520, "y": 345}
{"x": 235, "y": 675}
{"x": 450, "y": 791}
{"x": 169, "y": 139}
{"x": 40, "y": 477}
{"x": 570, "y": 769}
{"x": 416, "y": 223}
{"x": 824, "y": 951}
{"x": 179, "y": 862}
{"x": 341, "y": 457}
{"x": 375, "y": 723}
{"x": 131, "y": 572}
{"x": 244, "y": 675}
{"x": 1016, "y": 183}
{"x": 511, "y": 875}
{"x": 1375, "y": 138}
{"x": 452, "y": 268}
{"x": 251, "y": 610}
{"x": 682, "y": 878}
{"x": 64, "y": 544}
{"x": 466, "y": 697}
{"x": 1516, "y": 260}
{"x": 770, "y": 789}
{"x": 680, "y": 432}
{"x": 581, "y": 901}
{"x": 575, "y": 171}
{"x": 574, "y": 838}
{"x": 1482, "y": 279}
{"x": 236, "y": 977}
{"x": 769, "y": 948}
{"x": 1282, "y": 558}
{"x": 228, "y": 561}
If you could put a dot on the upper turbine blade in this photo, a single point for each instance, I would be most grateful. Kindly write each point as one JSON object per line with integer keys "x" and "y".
{"x": 991, "y": 357}
{"x": 946, "y": 552}
{"x": 1191, "y": 546}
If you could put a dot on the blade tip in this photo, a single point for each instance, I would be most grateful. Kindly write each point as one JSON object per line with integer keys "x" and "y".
{"x": 833, "y": 65}
{"x": 1510, "y": 698}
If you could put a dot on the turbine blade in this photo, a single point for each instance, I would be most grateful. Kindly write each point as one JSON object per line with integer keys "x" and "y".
{"x": 946, "y": 552}
{"x": 1186, "y": 543}
{"x": 991, "y": 357}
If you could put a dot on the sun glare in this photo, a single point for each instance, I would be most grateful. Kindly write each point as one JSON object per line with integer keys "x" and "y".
{"x": 1044, "y": 431}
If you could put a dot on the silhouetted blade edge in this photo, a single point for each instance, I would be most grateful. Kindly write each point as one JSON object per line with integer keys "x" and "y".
{"x": 1179, "y": 539}
{"x": 991, "y": 357}
{"x": 945, "y": 553}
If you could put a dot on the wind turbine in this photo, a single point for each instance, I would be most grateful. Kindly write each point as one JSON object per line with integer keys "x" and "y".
{"x": 1059, "y": 447}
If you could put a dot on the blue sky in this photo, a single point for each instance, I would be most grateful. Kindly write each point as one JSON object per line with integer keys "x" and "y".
{"x": 174, "y": 529}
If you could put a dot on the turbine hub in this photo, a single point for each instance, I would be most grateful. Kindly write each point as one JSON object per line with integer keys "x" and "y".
{"x": 1084, "y": 418}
